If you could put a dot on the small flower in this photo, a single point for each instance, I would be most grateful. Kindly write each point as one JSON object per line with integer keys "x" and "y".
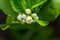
{"x": 34, "y": 15}
{"x": 19, "y": 17}
{"x": 28, "y": 11}
{"x": 23, "y": 18}
{"x": 29, "y": 20}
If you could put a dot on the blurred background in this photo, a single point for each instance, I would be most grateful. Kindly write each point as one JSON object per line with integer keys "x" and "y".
{"x": 5, "y": 35}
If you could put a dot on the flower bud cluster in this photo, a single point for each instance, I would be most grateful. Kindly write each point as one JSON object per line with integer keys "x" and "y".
{"x": 27, "y": 18}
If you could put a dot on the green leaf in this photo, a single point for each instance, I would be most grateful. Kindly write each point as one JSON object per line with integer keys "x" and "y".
{"x": 4, "y": 26}
{"x": 9, "y": 19}
{"x": 18, "y": 5}
{"x": 6, "y": 8}
{"x": 42, "y": 23}
{"x": 21, "y": 5}
{"x": 18, "y": 26}
{"x": 36, "y": 5}
{"x": 48, "y": 12}
{"x": 56, "y": 4}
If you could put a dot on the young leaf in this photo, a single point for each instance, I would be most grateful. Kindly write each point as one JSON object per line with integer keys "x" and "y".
{"x": 34, "y": 3}
{"x": 6, "y": 8}
{"x": 6, "y": 27}
{"x": 19, "y": 26}
{"x": 18, "y": 5}
{"x": 42, "y": 23}
{"x": 21, "y": 5}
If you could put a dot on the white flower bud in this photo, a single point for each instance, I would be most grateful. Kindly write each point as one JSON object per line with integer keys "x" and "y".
{"x": 23, "y": 16}
{"x": 28, "y": 11}
{"x": 29, "y": 20}
{"x": 19, "y": 17}
{"x": 34, "y": 15}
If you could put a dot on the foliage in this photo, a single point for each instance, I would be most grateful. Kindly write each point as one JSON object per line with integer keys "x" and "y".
{"x": 47, "y": 10}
